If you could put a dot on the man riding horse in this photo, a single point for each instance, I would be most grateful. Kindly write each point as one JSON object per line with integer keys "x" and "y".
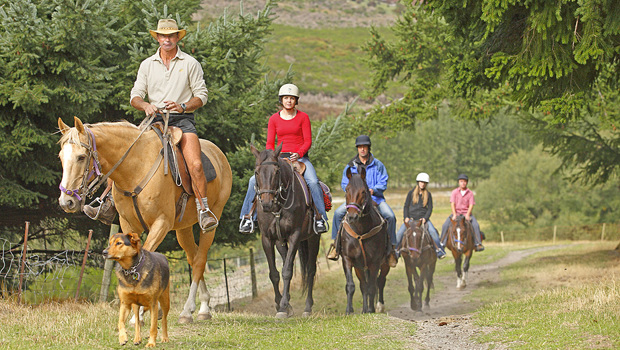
{"x": 174, "y": 83}
{"x": 376, "y": 179}
{"x": 462, "y": 202}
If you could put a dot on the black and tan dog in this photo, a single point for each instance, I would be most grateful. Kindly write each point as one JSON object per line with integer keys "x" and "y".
{"x": 143, "y": 280}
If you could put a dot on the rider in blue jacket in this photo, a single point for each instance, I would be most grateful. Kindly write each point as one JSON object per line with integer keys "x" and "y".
{"x": 376, "y": 179}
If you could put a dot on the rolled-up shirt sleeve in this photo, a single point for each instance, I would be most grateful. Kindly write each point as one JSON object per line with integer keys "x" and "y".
{"x": 140, "y": 85}
{"x": 197, "y": 83}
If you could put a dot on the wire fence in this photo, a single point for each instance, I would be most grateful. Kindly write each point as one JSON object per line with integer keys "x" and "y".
{"x": 37, "y": 276}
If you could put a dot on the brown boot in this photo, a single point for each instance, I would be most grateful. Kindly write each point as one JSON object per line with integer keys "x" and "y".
{"x": 332, "y": 254}
{"x": 392, "y": 261}
{"x": 206, "y": 218}
{"x": 105, "y": 211}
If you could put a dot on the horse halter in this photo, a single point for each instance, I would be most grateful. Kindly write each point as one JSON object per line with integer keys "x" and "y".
{"x": 357, "y": 207}
{"x": 86, "y": 189}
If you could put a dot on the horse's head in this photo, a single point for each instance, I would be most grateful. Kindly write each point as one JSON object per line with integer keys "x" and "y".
{"x": 79, "y": 164}
{"x": 459, "y": 233}
{"x": 358, "y": 198}
{"x": 413, "y": 239}
{"x": 268, "y": 178}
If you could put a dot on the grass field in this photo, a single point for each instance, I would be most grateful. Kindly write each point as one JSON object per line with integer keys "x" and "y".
{"x": 563, "y": 298}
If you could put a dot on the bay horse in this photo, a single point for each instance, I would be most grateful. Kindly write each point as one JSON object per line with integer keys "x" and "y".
{"x": 285, "y": 221}
{"x": 364, "y": 241}
{"x": 90, "y": 148}
{"x": 461, "y": 242}
{"x": 418, "y": 253}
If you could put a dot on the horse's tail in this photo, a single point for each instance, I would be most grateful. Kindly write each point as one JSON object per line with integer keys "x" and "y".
{"x": 304, "y": 255}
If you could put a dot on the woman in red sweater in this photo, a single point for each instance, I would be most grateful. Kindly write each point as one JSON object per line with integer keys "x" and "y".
{"x": 292, "y": 128}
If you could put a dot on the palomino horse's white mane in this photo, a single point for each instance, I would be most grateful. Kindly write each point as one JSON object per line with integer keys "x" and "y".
{"x": 73, "y": 134}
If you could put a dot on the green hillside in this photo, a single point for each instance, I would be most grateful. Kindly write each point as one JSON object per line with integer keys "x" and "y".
{"x": 325, "y": 60}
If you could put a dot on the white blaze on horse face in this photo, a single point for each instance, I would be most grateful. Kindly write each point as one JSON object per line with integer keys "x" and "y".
{"x": 458, "y": 235}
{"x": 66, "y": 154}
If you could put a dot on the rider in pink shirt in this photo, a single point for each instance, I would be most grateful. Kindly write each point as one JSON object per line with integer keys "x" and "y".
{"x": 462, "y": 203}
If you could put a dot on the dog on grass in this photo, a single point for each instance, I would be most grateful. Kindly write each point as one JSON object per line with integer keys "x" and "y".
{"x": 143, "y": 280}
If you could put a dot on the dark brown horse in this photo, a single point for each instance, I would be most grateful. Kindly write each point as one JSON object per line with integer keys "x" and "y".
{"x": 461, "y": 242}
{"x": 364, "y": 241}
{"x": 418, "y": 253}
{"x": 285, "y": 221}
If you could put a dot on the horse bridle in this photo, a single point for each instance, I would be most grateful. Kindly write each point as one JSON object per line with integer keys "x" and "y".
{"x": 457, "y": 240}
{"x": 358, "y": 208}
{"x": 278, "y": 197}
{"x": 419, "y": 251}
{"x": 86, "y": 189}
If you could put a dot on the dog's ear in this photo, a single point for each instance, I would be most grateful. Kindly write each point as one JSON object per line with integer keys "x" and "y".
{"x": 134, "y": 238}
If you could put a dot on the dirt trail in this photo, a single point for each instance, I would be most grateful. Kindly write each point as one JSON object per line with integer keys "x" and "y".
{"x": 447, "y": 324}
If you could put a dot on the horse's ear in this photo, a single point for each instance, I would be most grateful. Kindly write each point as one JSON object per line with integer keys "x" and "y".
{"x": 279, "y": 149}
{"x": 254, "y": 150}
{"x": 349, "y": 173}
{"x": 419, "y": 223}
{"x": 78, "y": 125}
{"x": 62, "y": 126}
{"x": 362, "y": 172}
{"x": 407, "y": 224}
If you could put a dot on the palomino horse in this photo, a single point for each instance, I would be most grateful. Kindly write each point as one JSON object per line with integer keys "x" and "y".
{"x": 418, "y": 253}
{"x": 364, "y": 241}
{"x": 285, "y": 221}
{"x": 460, "y": 242}
{"x": 86, "y": 149}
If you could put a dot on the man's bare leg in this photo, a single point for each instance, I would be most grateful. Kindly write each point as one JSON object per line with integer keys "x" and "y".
{"x": 190, "y": 145}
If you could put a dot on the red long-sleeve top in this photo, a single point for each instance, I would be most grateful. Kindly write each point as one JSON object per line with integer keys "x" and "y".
{"x": 296, "y": 134}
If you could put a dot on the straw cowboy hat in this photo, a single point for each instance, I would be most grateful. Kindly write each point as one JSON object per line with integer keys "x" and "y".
{"x": 168, "y": 26}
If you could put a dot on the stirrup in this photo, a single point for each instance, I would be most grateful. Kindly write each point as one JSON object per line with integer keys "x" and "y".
{"x": 332, "y": 248}
{"x": 207, "y": 211}
{"x": 98, "y": 208}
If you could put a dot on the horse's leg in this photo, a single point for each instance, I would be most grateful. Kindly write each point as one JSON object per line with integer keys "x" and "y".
{"x": 385, "y": 269}
{"x": 410, "y": 269}
{"x": 372, "y": 288}
{"x": 185, "y": 237}
{"x": 418, "y": 289}
{"x": 466, "y": 266}
{"x": 459, "y": 273}
{"x": 313, "y": 252}
{"x": 350, "y": 286}
{"x": 204, "y": 244}
{"x": 274, "y": 275}
{"x": 429, "y": 280}
{"x": 287, "y": 274}
{"x": 362, "y": 276}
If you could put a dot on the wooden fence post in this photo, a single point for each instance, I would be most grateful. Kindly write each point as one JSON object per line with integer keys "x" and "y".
{"x": 226, "y": 280}
{"x": 77, "y": 292}
{"x": 253, "y": 274}
{"x": 21, "y": 268}
{"x": 502, "y": 234}
{"x": 107, "y": 271}
{"x": 555, "y": 229}
{"x": 603, "y": 233}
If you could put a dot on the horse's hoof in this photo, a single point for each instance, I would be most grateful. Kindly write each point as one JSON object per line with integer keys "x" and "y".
{"x": 282, "y": 315}
{"x": 380, "y": 308}
{"x": 306, "y": 314}
{"x": 185, "y": 319}
{"x": 204, "y": 317}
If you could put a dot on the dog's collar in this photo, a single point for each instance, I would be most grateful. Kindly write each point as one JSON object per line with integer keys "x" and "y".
{"x": 133, "y": 271}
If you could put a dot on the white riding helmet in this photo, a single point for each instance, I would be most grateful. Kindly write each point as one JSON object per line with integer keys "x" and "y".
{"x": 289, "y": 90}
{"x": 423, "y": 177}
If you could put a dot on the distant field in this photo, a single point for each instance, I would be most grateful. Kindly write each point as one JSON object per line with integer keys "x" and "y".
{"x": 326, "y": 61}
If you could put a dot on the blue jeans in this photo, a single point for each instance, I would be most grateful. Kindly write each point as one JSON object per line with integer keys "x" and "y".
{"x": 431, "y": 230}
{"x": 385, "y": 211}
{"x": 446, "y": 226}
{"x": 311, "y": 179}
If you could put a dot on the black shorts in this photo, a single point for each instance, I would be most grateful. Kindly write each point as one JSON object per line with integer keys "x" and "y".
{"x": 185, "y": 121}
